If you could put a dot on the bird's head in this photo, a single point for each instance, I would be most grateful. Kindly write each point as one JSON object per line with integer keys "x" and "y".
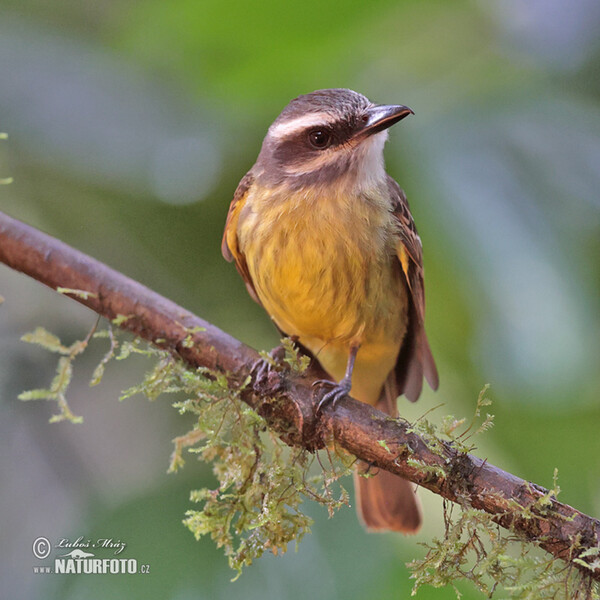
{"x": 327, "y": 137}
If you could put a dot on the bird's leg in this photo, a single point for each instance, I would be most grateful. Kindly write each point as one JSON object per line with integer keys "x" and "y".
{"x": 341, "y": 389}
{"x": 263, "y": 367}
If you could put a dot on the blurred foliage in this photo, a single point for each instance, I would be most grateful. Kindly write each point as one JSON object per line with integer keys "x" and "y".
{"x": 130, "y": 125}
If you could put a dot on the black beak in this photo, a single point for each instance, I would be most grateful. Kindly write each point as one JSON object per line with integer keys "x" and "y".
{"x": 381, "y": 116}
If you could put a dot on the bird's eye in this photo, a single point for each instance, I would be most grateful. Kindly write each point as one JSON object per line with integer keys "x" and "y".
{"x": 319, "y": 138}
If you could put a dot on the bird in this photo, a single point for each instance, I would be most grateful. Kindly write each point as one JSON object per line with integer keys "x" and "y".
{"x": 325, "y": 242}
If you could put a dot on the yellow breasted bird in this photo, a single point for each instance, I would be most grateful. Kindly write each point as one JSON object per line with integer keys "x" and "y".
{"x": 325, "y": 242}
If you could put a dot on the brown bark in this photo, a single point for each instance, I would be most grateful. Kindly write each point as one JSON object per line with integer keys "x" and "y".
{"x": 558, "y": 528}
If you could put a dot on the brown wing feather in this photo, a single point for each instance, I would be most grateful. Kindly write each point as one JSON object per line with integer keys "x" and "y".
{"x": 415, "y": 359}
{"x": 229, "y": 244}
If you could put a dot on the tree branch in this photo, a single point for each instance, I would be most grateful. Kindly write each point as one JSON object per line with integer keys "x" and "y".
{"x": 515, "y": 503}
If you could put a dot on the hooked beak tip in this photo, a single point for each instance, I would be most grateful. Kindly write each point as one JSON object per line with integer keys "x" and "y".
{"x": 383, "y": 116}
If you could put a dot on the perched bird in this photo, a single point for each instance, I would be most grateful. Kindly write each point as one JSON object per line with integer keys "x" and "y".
{"x": 325, "y": 242}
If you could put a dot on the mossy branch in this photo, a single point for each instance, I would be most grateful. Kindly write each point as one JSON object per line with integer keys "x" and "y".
{"x": 445, "y": 468}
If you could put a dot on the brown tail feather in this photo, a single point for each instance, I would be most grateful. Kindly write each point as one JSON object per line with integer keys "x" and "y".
{"x": 386, "y": 502}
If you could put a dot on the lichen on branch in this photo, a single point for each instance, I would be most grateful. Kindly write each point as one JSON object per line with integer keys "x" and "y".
{"x": 442, "y": 466}
{"x": 260, "y": 482}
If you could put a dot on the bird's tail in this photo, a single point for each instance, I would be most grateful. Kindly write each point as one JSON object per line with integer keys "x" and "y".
{"x": 384, "y": 501}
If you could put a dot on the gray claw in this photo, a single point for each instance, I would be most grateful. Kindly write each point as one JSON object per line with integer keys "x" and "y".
{"x": 261, "y": 369}
{"x": 338, "y": 391}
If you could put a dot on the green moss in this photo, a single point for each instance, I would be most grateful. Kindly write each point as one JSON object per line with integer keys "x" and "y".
{"x": 64, "y": 371}
{"x": 498, "y": 563}
{"x": 5, "y": 180}
{"x": 261, "y": 483}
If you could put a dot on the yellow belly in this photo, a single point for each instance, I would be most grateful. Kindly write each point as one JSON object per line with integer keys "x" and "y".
{"x": 327, "y": 274}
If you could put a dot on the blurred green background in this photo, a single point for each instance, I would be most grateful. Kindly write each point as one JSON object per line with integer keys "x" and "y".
{"x": 130, "y": 125}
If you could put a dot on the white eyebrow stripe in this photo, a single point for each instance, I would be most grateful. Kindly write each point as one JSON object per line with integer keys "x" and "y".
{"x": 310, "y": 120}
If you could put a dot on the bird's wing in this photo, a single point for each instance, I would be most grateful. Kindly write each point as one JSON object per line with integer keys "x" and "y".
{"x": 415, "y": 359}
{"x": 229, "y": 246}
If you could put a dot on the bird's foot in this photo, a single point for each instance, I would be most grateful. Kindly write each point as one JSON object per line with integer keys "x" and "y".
{"x": 337, "y": 392}
{"x": 266, "y": 368}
